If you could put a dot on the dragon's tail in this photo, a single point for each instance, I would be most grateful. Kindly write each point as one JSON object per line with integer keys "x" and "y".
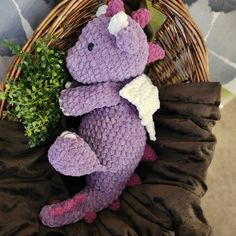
{"x": 102, "y": 190}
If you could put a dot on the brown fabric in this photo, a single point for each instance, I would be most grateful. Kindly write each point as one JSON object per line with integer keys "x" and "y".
{"x": 167, "y": 202}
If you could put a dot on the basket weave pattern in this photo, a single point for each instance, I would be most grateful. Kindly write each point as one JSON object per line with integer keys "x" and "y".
{"x": 186, "y": 53}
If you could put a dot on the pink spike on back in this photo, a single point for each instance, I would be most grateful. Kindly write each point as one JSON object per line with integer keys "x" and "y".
{"x": 115, "y": 205}
{"x": 142, "y": 16}
{"x": 155, "y": 52}
{"x": 149, "y": 154}
{"x": 90, "y": 217}
{"x": 115, "y": 6}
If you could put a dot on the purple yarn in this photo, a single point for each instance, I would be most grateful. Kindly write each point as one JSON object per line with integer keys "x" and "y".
{"x": 107, "y": 62}
{"x": 81, "y": 100}
{"x": 111, "y": 139}
{"x": 117, "y": 137}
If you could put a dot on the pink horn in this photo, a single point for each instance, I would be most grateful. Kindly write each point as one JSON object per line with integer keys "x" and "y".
{"x": 115, "y": 6}
{"x": 142, "y": 16}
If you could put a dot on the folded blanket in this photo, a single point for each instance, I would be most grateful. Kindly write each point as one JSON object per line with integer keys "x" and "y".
{"x": 166, "y": 203}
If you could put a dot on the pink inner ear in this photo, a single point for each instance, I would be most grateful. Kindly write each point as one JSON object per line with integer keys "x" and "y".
{"x": 155, "y": 52}
{"x": 115, "y": 6}
{"x": 142, "y": 16}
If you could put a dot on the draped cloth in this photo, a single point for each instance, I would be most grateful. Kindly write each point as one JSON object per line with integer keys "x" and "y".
{"x": 168, "y": 202}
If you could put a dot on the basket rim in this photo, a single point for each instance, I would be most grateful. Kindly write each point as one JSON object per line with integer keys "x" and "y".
{"x": 173, "y": 9}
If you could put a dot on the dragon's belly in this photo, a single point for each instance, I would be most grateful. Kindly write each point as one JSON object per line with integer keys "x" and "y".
{"x": 115, "y": 134}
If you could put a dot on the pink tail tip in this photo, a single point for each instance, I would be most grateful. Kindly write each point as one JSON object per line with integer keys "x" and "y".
{"x": 134, "y": 181}
{"x": 57, "y": 211}
{"x": 90, "y": 217}
{"x": 68, "y": 206}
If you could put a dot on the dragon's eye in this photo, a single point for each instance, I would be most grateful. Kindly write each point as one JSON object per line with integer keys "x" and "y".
{"x": 90, "y": 46}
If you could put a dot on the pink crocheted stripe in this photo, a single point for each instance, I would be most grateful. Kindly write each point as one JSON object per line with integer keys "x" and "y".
{"x": 68, "y": 206}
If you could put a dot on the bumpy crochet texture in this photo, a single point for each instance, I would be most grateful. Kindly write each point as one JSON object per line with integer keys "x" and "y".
{"x": 107, "y": 62}
{"x": 111, "y": 139}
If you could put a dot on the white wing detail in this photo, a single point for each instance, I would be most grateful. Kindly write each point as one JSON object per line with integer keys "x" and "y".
{"x": 144, "y": 95}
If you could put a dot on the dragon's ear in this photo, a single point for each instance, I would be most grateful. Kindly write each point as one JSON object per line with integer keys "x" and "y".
{"x": 126, "y": 39}
{"x": 155, "y": 52}
{"x": 142, "y": 16}
{"x": 115, "y": 6}
{"x": 118, "y": 22}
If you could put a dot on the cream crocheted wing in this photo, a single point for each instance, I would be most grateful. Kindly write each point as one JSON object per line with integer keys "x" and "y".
{"x": 144, "y": 96}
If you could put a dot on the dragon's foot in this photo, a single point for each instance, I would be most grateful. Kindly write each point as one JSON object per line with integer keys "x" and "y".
{"x": 115, "y": 205}
{"x": 134, "y": 180}
{"x": 71, "y": 155}
{"x": 90, "y": 217}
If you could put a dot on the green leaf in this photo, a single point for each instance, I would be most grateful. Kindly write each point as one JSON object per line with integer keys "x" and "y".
{"x": 34, "y": 96}
{"x": 7, "y": 87}
{"x": 33, "y": 88}
{"x": 2, "y": 96}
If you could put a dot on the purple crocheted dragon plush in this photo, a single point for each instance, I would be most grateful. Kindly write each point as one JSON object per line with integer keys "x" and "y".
{"x": 117, "y": 102}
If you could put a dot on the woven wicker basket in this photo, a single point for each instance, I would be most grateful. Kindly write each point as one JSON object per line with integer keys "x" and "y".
{"x": 186, "y": 54}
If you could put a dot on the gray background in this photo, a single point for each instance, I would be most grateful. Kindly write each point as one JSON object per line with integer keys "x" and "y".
{"x": 18, "y": 20}
{"x": 217, "y": 20}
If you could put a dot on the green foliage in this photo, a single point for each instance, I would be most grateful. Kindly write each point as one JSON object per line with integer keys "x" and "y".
{"x": 158, "y": 18}
{"x": 34, "y": 96}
